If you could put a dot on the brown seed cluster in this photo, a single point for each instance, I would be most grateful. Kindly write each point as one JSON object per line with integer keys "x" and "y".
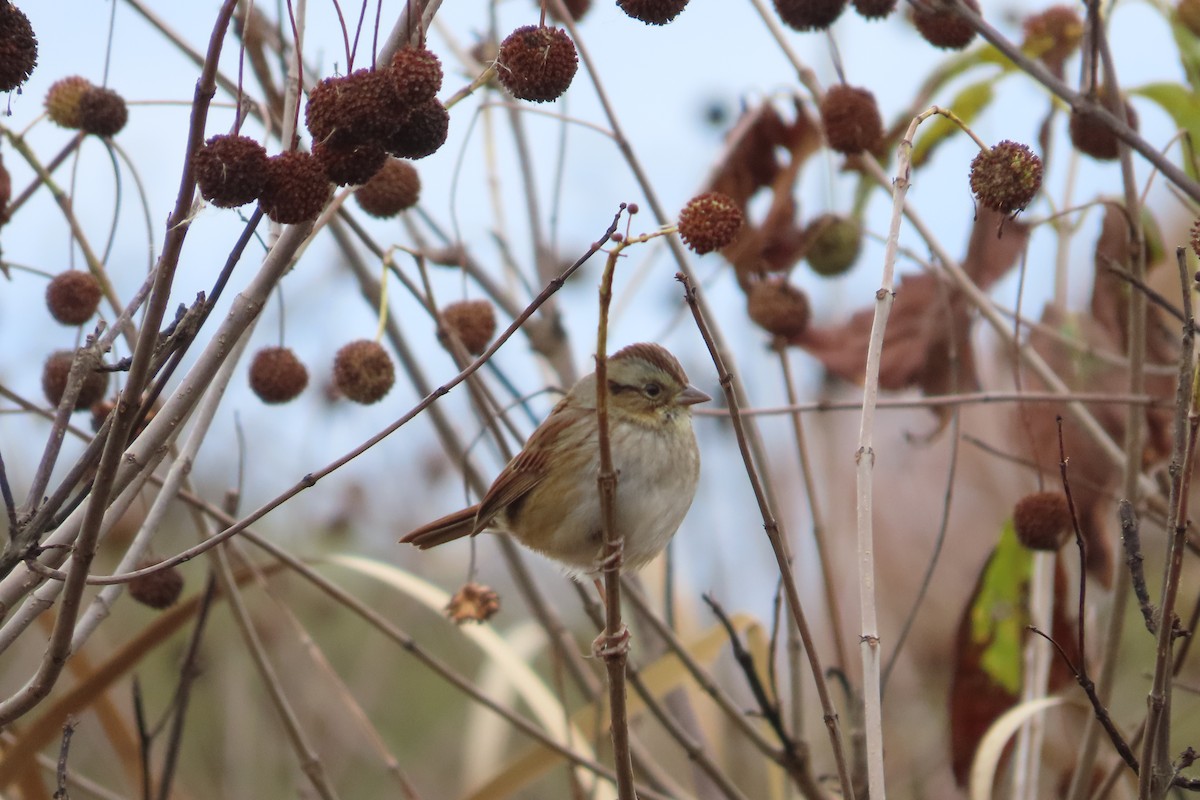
{"x": 851, "y": 119}
{"x": 537, "y": 63}
{"x": 474, "y": 602}
{"x": 363, "y": 371}
{"x": 834, "y": 244}
{"x": 231, "y": 170}
{"x": 1042, "y": 520}
{"x": 1053, "y": 35}
{"x": 73, "y": 296}
{"x": 809, "y": 15}
{"x": 102, "y": 112}
{"x": 416, "y": 74}
{"x": 277, "y": 375}
{"x": 158, "y": 590}
{"x": 1006, "y": 177}
{"x": 62, "y": 100}
{"x": 474, "y": 321}
{"x": 1092, "y": 137}
{"x": 576, "y": 8}
{"x": 395, "y": 188}
{"x": 18, "y": 47}
{"x": 943, "y": 28}
{"x": 296, "y": 188}
{"x": 778, "y": 307}
{"x": 422, "y": 133}
{"x": 653, "y": 12}
{"x": 350, "y": 165}
{"x": 874, "y": 9}
{"x": 55, "y": 372}
{"x": 709, "y": 222}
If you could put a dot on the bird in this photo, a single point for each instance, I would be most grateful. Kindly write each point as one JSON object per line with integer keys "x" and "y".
{"x": 547, "y": 496}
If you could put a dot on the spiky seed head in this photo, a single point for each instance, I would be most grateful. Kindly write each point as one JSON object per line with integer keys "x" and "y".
{"x": 395, "y": 188}
{"x": 416, "y": 74}
{"x": 350, "y": 165}
{"x": 851, "y": 119}
{"x": 834, "y": 244}
{"x": 363, "y": 371}
{"x": 474, "y": 602}
{"x": 102, "y": 112}
{"x": 63, "y": 98}
{"x": 1053, "y": 35}
{"x": 230, "y": 170}
{"x": 353, "y": 109}
{"x": 778, "y": 307}
{"x": 296, "y": 189}
{"x": 18, "y": 47}
{"x": 943, "y": 28}
{"x": 277, "y": 375}
{"x": 576, "y": 8}
{"x": 474, "y": 321}
{"x": 709, "y": 222}
{"x": 55, "y": 372}
{"x": 1042, "y": 520}
{"x": 874, "y": 9}
{"x": 422, "y": 133}
{"x": 1092, "y": 137}
{"x": 537, "y": 63}
{"x": 1188, "y": 14}
{"x": 653, "y": 12}
{"x": 158, "y": 590}
{"x": 73, "y": 296}
{"x": 809, "y": 15}
{"x": 1006, "y": 177}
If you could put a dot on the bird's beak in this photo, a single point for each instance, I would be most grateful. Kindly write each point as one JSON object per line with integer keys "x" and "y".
{"x": 691, "y": 395}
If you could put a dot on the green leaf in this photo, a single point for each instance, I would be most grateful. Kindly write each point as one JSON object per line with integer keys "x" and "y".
{"x": 1000, "y": 611}
{"x": 1189, "y": 51}
{"x": 967, "y": 104}
{"x": 1184, "y": 107}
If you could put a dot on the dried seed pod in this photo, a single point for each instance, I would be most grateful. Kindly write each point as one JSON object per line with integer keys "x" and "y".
{"x": 474, "y": 602}
{"x": 474, "y": 321}
{"x": 778, "y": 307}
{"x": 1053, "y": 35}
{"x": 73, "y": 296}
{"x": 277, "y": 375}
{"x": 1042, "y": 520}
{"x": 653, "y": 12}
{"x": 809, "y": 15}
{"x": 158, "y": 590}
{"x": 296, "y": 189}
{"x": 230, "y": 170}
{"x": 102, "y": 112}
{"x": 416, "y": 75}
{"x": 1006, "y": 177}
{"x": 537, "y": 63}
{"x": 834, "y": 244}
{"x": 576, "y": 8}
{"x": 354, "y": 109}
{"x": 363, "y": 371}
{"x": 55, "y": 372}
{"x": 709, "y": 222}
{"x": 874, "y": 9}
{"x": 395, "y": 188}
{"x": 350, "y": 165}
{"x": 943, "y": 28}
{"x": 1092, "y": 137}
{"x": 63, "y": 98}
{"x": 422, "y": 133}
{"x": 18, "y": 47}
{"x": 851, "y": 119}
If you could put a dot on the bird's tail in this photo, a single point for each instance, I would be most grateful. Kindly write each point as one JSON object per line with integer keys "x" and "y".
{"x": 447, "y": 529}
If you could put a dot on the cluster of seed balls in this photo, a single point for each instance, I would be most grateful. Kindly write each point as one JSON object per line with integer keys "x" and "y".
{"x": 75, "y": 103}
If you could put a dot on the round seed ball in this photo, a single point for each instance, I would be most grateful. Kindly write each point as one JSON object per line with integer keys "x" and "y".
{"x": 230, "y": 170}
{"x": 422, "y": 133}
{"x": 18, "y": 47}
{"x": 277, "y": 375}
{"x": 834, "y": 244}
{"x": 474, "y": 321}
{"x": 55, "y": 372}
{"x": 73, "y": 296}
{"x": 652, "y": 12}
{"x": 396, "y": 187}
{"x": 158, "y": 590}
{"x": 1006, "y": 177}
{"x": 416, "y": 74}
{"x": 63, "y": 98}
{"x": 363, "y": 371}
{"x": 809, "y": 15}
{"x": 1042, "y": 520}
{"x": 778, "y": 307}
{"x": 537, "y": 63}
{"x": 851, "y": 119}
{"x": 102, "y": 112}
{"x": 709, "y": 222}
{"x": 296, "y": 188}
{"x": 944, "y": 29}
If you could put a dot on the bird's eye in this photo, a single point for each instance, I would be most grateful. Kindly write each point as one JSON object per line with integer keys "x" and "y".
{"x": 652, "y": 390}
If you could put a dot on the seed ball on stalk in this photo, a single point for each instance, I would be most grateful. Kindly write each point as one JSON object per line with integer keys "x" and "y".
{"x": 943, "y": 28}
{"x": 18, "y": 47}
{"x": 416, "y": 75}
{"x": 1054, "y": 34}
{"x": 422, "y": 133}
{"x": 350, "y": 165}
{"x": 363, "y": 371}
{"x": 851, "y": 119}
{"x": 277, "y": 375}
{"x": 102, "y": 112}
{"x": 296, "y": 189}
{"x": 652, "y": 12}
{"x": 1042, "y": 520}
{"x": 230, "y": 170}
{"x": 63, "y": 98}
{"x": 55, "y": 372}
{"x": 576, "y": 8}
{"x": 158, "y": 590}
{"x": 537, "y": 63}
{"x": 73, "y": 296}
{"x": 1006, "y": 177}
{"x": 1092, "y": 137}
{"x": 778, "y": 307}
{"x": 474, "y": 321}
{"x": 395, "y": 188}
{"x": 809, "y": 15}
{"x": 874, "y": 9}
{"x": 709, "y": 222}
{"x": 834, "y": 244}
